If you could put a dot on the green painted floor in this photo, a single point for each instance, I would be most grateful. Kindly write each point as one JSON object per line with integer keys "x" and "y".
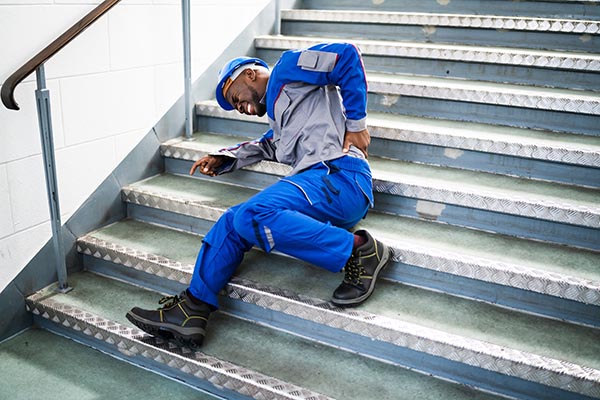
{"x": 40, "y": 365}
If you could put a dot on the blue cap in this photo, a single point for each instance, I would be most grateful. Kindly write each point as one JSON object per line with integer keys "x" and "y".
{"x": 226, "y": 72}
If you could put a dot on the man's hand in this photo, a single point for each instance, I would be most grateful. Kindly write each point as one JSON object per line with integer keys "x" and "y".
{"x": 360, "y": 140}
{"x": 208, "y": 165}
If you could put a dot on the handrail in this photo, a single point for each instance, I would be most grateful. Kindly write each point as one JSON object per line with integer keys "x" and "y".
{"x": 8, "y": 88}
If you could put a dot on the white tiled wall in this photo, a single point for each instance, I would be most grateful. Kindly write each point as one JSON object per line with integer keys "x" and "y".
{"x": 108, "y": 88}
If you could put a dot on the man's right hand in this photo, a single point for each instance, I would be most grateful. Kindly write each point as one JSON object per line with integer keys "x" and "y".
{"x": 208, "y": 165}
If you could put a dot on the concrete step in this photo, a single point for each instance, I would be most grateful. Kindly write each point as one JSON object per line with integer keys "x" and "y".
{"x": 539, "y": 278}
{"x": 450, "y": 335}
{"x": 553, "y": 156}
{"x": 94, "y": 314}
{"x": 486, "y": 30}
{"x": 580, "y": 9}
{"x": 546, "y": 211}
{"x": 486, "y": 102}
{"x": 574, "y": 70}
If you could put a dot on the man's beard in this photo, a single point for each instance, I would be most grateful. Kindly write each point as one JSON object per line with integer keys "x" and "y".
{"x": 261, "y": 108}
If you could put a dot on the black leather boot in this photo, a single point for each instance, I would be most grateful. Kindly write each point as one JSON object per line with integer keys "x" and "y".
{"x": 179, "y": 318}
{"x": 361, "y": 271}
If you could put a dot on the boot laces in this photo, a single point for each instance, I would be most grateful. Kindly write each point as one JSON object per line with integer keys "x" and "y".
{"x": 169, "y": 301}
{"x": 353, "y": 271}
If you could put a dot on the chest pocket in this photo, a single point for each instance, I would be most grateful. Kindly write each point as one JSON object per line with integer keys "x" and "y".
{"x": 318, "y": 61}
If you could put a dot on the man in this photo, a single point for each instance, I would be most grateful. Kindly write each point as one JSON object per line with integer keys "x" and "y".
{"x": 316, "y": 101}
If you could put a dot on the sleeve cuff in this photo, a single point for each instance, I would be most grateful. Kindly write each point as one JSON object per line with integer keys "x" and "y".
{"x": 229, "y": 164}
{"x": 353, "y": 125}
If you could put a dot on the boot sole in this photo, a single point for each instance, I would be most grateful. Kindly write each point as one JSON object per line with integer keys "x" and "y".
{"x": 193, "y": 337}
{"x": 356, "y": 301}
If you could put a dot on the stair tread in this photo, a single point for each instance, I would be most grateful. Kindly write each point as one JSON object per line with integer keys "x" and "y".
{"x": 484, "y": 185}
{"x": 454, "y": 20}
{"x": 521, "y": 142}
{"x": 270, "y": 351}
{"x": 454, "y": 315}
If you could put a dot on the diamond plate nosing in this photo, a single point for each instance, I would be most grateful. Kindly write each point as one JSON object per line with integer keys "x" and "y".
{"x": 512, "y": 275}
{"x": 178, "y": 205}
{"x": 488, "y": 55}
{"x": 136, "y": 259}
{"x": 531, "y": 367}
{"x": 448, "y": 20}
{"x": 133, "y": 342}
{"x": 570, "y": 155}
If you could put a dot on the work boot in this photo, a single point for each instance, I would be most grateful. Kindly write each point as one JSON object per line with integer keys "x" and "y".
{"x": 361, "y": 272}
{"x": 180, "y": 318}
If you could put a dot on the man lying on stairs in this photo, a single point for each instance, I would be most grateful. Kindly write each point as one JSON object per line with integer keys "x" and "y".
{"x": 316, "y": 101}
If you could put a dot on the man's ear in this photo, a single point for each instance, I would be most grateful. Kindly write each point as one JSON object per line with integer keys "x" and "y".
{"x": 250, "y": 74}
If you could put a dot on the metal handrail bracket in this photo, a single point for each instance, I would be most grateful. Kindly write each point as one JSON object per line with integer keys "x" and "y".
{"x": 42, "y": 97}
{"x": 187, "y": 69}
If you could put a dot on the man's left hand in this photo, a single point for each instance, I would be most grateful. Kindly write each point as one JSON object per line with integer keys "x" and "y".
{"x": 360, "y": 140}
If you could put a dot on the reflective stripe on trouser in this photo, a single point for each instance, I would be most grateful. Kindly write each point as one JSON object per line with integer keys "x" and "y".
{"x": 305, "y": 216}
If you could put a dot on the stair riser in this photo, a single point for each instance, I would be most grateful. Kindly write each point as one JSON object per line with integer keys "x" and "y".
{"x": 473, "y": 70}
{"x": 436, "y": 155}
{"x": 279, "y": 314}
{"x": 441, "y": 34}
{"x": 569, "y": 9}
{"x": 485, "y": 113}
{"x": 388, "y": 199}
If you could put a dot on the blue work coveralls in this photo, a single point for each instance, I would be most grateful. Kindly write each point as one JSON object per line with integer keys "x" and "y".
{"x": 313, "y": 96}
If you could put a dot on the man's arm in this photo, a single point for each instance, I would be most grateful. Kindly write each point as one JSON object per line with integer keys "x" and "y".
{"x": 236, "y": 157}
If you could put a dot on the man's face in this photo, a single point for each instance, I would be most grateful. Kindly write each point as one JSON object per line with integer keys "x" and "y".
{"x": 245, "y": 93}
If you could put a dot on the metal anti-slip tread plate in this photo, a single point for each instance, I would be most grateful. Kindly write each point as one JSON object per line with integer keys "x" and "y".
{"x": 477, "y": 141}
{"x": 528, "y": 366}
{"x": 441, "y": 192}
{"x": 447, "y": 20}
{"x": 483, "y": 54}
{"x": 132, "y": 342}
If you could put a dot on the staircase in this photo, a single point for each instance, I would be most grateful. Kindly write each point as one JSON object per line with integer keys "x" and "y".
{"x": 485, "y": 153}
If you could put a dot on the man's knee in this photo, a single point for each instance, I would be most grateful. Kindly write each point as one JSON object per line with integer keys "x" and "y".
{"x": 242, "y": 220}
{"x": 247, "y": 220}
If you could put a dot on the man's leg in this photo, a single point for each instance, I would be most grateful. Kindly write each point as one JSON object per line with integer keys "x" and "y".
{"x": 307, "y": 215}
{"x": 185, "y": 316}
{"x": 221, "y": 253}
